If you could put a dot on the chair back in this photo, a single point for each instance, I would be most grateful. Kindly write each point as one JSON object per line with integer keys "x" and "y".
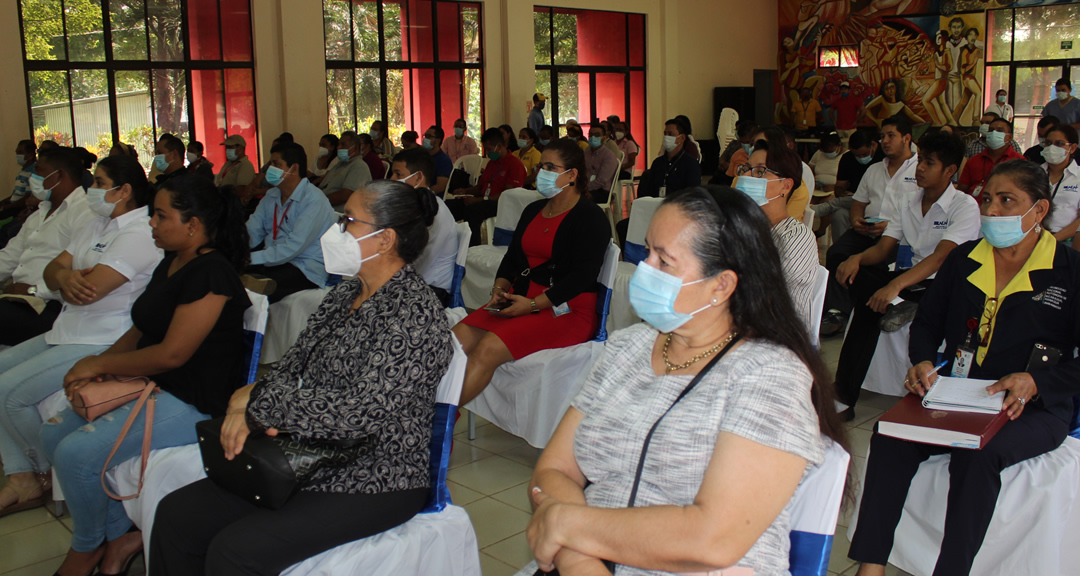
{"x": 442, "y": 435}
{"x": 808, "y": 218}
{"x": 386, "y": 169}
{"x": 472, "y": 164}
{"x": 725, "y": 128}
{"x": 512, "y": 203}
{"x": 815, "y": 509}
{"x": 1074, "y": 428}
{"x": 254, "y": 330}
{"x": 817, "y": 303}
{"x": 463, "y": 233}
{"x": 641, "y": 213}
{"x": 604, "y": 284}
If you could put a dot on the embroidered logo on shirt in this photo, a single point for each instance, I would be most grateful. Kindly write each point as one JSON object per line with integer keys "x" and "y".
{"x": 909, "y": 179}
{"x": 100, "y": 247}
{"x": 1053, "y": 297}
{"x": 941, "y": 224}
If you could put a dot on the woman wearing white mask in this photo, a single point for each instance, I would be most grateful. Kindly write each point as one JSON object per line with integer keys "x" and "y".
{"x": 325, "y": 159}
{"x": 684, "y": 448}
{"x": 390, "y": 348}
{"x": 545, "y": 289}
{"x": 993, "y": 300}
{"x": 1064, "y": 173}
{"x": 825, "y": 163}
{"x": 105, "y": 267}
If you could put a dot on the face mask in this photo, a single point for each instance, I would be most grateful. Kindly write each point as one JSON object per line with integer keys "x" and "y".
{"x": 20, "y": 159}
{"x": 596, "y": 142}
{"x": 620, "y": 135}
{"x": 831, "y": 155}
{"x": 459, "y": 132}
{"x": 323, "y": 152}
{"x": 1004, "y": 231}
{"x": 191, "y": 157}
{"x": 669, "y": 143}
{"x": 545, "y": 183}
{"x": 995, "y": 140}
{"x": 160, "y": 162}
{"x": 1063, "y": 95}
{"x": 341, "y": 252}
{"x": 1044, "y": 142}
{"x": 545, "y": 142}
{"x": 37, "y": 186}
{"x": 984, "y": 129}
{"x": 275, "y": 175}
{"x": 755, "y": 188}
{"x": 865, "y": 159}
{"x": 653, "y": 294}
{"x": 374, "y": 134}
{"x": 1001, "y": 99}
{"x": 428, "y": 145}
{"x": 95, "y": 199}
{"x": 493, "y": 156}
{"x": 405, "y": 180}
{"x": 230, "y": 154}
{"x": 343, "y": 154}
{"x": 522, "y": 143}
{"x": 748, "y": 149}
{"x": 1055, "y": 154}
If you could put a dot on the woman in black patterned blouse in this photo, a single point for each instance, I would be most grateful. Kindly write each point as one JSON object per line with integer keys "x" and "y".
{"x": 367, "y": 364}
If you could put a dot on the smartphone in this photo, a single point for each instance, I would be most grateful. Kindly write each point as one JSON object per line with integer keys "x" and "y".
{"x": 497, "y": 307}
{"x": 874, "y": 220}
{"x": 1043, "y": 356}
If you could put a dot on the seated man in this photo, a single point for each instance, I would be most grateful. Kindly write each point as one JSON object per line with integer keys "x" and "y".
{"x": 603, "y": 166}
{"x": 349, "y": 174}
{"x": 862, "y": 152}
{"x": 409, "y": 140}
{"x": 461, "y": 144}
{"x": 436, "y": 263}
{"x": 674, "y": 169}
{"x": 502, "y": 173}
{"x": 433, "y": 141}
{"x": 371, "y": 157}
{"x": 169, "y": 160}
{"x": 25, "y": 157}
{"x": 28, "y": 308}
{"x": 978, "y": 168}
{"x": 288, "y": 224}
{"x": 198, "y": 163}
{"x": 927, "y": 224}
{"x": 1034, "y": 154}
{"x": 237, "y": 171}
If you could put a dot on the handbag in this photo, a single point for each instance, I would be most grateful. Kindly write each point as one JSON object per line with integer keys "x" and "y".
{"x": 98, "y": 398}
{"x": 270, "y": 469}
{"x": 648, "y": 438}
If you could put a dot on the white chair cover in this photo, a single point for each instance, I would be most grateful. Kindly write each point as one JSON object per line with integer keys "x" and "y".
{"x": 725, "y": 128}
{"x": 463, "y": 234}
{"x": 821, "y": 282}
{"x": 471, "y": 163}
{"x": 1035, "y": 528}
{"x": 288, "y": 318}
{"x": 482, "y": 262}
{"x": 808, "y": 218}
{"x": 622, "y": 313}
{"x": 641, "y": 214}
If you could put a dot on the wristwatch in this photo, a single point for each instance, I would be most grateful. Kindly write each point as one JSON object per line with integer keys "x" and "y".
{"x": 532, "y": 304}
{"x": 32, "y": 291}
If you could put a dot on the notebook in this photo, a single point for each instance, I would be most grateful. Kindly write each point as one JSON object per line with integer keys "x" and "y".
{"x": 910, "y": 420}
{"x": 963, "y": 395}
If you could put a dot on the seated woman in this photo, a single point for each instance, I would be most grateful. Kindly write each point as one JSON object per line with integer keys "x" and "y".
{"x": 545, "y": 289}
{"x": 799, "y": 199}
{"x": 104, "y": 268}
{"x": 826, "y": 162}
{"x": 187, "y": 335}
{"x": 726, "y": 456}
{"x": 992, "y": 279}
{"x": 391, "y": 348}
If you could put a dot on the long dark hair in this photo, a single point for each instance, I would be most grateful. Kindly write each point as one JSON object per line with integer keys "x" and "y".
{"x": 571, "y": 156}
{"x": 219, "y": 211}
{"x": 126, "y": 170}
{"x": 733, "y": 234}
{"x": 406, "y": 210}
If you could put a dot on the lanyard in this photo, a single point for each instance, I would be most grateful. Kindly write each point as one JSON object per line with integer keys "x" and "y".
{"x": 283, "y": 215}
{"x": 1054, "y": 195}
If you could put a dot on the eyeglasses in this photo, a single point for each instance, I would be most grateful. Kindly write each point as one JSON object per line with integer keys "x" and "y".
{"x": 550, "y": 167}
{"x": 755, "y": 171}
{"x": 986, "y": 327}
{"x": 344, "y": 222}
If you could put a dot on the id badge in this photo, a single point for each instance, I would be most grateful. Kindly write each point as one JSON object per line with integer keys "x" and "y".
{"x": 663, "y": 191}
{"x": 962, "y": 365}
{"x": 977, "y": 191}
{"x": 561, "y": 309}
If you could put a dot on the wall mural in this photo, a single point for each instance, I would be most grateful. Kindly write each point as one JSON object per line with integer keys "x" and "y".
{"x": 920, "y": 58}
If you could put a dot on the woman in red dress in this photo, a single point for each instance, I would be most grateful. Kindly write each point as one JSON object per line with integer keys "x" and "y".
{"x": 545, "y": 290}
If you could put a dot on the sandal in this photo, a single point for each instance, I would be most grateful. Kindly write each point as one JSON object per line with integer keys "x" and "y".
{"x": 28, "y": 504}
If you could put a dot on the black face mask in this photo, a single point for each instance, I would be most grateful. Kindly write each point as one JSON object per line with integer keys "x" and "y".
{"x": 541, "y": 105}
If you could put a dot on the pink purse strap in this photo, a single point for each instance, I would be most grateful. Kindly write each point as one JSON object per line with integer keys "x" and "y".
{"x": 145, "y": 399}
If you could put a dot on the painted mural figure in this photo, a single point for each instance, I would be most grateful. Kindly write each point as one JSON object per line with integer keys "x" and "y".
{"x": 970, "y": 57}
{"x": 956, "y": 46}
{"x": 933, "y": 99}
{"x": 890, "y": 103}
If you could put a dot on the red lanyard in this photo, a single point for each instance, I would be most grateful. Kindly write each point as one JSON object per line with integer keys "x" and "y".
{"x": 283, "y": 215}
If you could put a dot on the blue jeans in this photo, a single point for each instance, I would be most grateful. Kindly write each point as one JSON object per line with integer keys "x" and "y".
{"x": 30, "y": 373}
{"x": 78, "y": 450}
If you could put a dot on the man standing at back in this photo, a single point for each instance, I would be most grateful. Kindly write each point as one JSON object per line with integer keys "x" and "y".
{"x": 845, "y": 110}
{"x": 461, "y": 144}
{"x": 536, "y": 115}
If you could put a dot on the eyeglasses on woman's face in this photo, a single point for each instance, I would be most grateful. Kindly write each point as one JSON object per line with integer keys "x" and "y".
{"x": 344, "y": 221}
{"x": 755, "y": 171}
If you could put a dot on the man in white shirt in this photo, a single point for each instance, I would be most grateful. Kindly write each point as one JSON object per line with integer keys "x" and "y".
{"x": 27, "y": 307}
{"x": 436, "y": 263}
{"x": 872, "y": 207}
{"x": 1001, "y": 106}
{"x": 926, "y": 225}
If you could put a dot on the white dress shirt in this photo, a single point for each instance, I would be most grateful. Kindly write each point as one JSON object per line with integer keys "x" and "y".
{"x": 881, "y": 192}
{"x": 1066, "y": 197}
{"x": 1003, "y": 110}
{"x": 436, "y": 263}
{"x": 126, "y": 245}
{"x": 954, "y": 217}
{"x": 43, "y": 237}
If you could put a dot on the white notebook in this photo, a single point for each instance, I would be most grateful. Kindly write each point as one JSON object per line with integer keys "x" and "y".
{"x": 963, "y": 395}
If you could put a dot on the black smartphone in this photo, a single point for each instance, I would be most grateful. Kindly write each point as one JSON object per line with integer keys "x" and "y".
{"x": 498, "y": 307}
{"x": 1043, "y": 356}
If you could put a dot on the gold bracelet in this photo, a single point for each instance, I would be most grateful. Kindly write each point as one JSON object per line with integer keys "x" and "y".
{"x": 532, "y": 303}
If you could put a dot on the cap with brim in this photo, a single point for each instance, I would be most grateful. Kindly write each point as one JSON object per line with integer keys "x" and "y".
{"x": 234, "y": 140}
{"x": 540, "y": 97}
{"x": 845, "y": 85}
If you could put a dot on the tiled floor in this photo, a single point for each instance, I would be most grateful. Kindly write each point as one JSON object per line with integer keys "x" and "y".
{"x": 488, "y": 477}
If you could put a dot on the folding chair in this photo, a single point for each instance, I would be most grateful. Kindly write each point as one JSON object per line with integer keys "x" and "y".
{"x": 482, "y": 262}
{"x": 463, "y": 234}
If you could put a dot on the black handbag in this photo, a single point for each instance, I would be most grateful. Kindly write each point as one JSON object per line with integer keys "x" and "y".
{"x": 270, "y": 469}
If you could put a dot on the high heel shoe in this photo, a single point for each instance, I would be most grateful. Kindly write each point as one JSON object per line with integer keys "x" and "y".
{"x": 127, "y": 566}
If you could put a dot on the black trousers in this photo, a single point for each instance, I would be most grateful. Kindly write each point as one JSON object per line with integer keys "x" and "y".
{"x": 861, "y": 340}
{"x": 850, "y": 244}
{"x": 974, "y": 485}
{"x": 21, "y": 323}
{"x": 474, "y": 214}
{"x": 289, "y": 278}
{"x": 205, "y": 529}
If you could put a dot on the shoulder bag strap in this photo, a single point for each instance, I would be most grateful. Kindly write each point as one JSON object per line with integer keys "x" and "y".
{"x": 145, "y": 399}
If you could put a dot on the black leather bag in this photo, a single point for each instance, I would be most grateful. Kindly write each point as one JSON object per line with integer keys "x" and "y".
{"x": 269, "y": 470}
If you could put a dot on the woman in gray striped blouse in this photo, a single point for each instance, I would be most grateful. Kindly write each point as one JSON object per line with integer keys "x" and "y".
{"x": 724, "y": 459}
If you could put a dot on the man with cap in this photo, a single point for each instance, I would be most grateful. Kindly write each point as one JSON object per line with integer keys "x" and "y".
{"x": 845, "y": 110}
{"x": 237, "y": 169}
{"x": 536, "y": 115}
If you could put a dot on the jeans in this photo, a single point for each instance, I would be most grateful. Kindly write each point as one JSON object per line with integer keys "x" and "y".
{"x": 30, "y": 373}
{"x": 78, "y": 450}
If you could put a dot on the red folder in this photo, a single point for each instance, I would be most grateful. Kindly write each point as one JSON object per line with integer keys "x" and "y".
{"x": 909, "y": 420}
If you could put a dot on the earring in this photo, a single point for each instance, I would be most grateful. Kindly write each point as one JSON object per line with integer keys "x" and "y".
{"x": 715, "y": 301}
{"x": 191, "y": 234}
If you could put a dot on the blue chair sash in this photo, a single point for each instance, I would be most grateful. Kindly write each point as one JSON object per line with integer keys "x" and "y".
{"x": 502, "y": 237}
{"x": 253, "y": 350}
{"x": 634, "y": 253}
{"x": 442, "y": 438}
{"x": 809, "y": 554}
{"x": 456, "y": 300}
{"x": 603, "y": 307}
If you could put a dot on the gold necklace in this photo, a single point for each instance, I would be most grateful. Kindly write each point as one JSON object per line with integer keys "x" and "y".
{"x": 673, "y": 367}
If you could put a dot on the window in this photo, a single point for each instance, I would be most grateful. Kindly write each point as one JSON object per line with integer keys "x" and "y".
{"x": 102, "y": 71}
{"x": 839, "y": 57}
{"x": 591, "y": 64}
{"x": 409, "y": 63}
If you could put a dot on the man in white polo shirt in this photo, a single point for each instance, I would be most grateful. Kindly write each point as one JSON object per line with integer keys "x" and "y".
{"x": 439, "y": 258}
{"x": 872, "y": 206}
{"x": 926, "y": 225}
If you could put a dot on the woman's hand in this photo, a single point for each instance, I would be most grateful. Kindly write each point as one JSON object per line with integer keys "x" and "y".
{"x": 75, "y": 288}
{"x": 85, "y": 369}
{"x": 519, "y": 306}
{"x": 498, "y": 298}
{"x": 919, "y": 378}
{"x": 881, "y": 299}
{"x": 574, "y": 563}
{"x": 1020, "y": 389}
{"x": 234, "y": 431}
{"x": 542, "y": 532}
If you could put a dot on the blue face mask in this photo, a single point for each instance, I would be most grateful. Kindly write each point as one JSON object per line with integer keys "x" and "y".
{"x": 160, "y": 162}
{"x": 545, "y": 142}
{"x": 428, "y": 145}
{"x": 545, "y": 183}
{"x": 343, "y": 154}
{"x": 275, "y": 175}
{"x": 459, "y": 132}
{"x": 523, "y": 143}
{"x": 995, "y": 140}
{"x": 230, "y": 154}
{"x": 653, "y": 294}
{"x": 748, "y": 148}
{"x": 864, "y": 160}
{"x": 95, "y": 200}
{"x": 596, "y": 142}
{"x": 755, "y": 188}
{"x": 1004, "y": 231}
{"x": 984, "y": 129}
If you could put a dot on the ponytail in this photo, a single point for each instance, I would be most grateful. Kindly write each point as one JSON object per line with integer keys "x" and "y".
{"x": 220, "y": 212}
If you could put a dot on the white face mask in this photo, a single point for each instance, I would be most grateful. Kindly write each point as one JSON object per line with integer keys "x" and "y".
{"x": 669, "y": 143}
{"x": 405, "y": 180}
{"x": 95, "y": 200}
{"x": 323, "y": 152}
{"x": 191, "y": 157}
{"x": 620, "y": 135}
{"x": 341, "y": 251}
{"x": 20, "y": 159}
